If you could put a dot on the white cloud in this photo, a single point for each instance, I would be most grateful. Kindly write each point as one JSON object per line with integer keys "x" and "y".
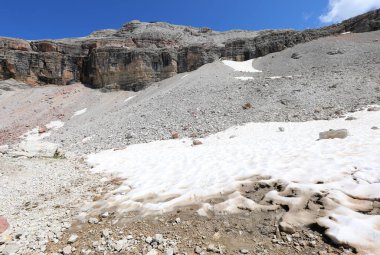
{"x": 339, "y": 10}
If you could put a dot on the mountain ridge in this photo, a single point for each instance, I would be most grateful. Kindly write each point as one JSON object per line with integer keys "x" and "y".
{"x": 140, "y": 53}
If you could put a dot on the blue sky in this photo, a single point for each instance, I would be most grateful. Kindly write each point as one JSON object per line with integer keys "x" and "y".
{"x": 41, "y": 19}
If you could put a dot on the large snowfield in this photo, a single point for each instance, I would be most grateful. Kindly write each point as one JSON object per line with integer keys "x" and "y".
{"x": 162, "y": 175}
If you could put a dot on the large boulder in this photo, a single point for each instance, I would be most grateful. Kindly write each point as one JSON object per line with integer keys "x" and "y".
{"x": 332, "y": 134}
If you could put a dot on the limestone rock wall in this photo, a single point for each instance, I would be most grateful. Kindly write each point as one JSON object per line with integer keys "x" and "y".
{"x": 128, "y": 69}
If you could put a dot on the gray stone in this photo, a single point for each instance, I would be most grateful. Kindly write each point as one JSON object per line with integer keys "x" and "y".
{"x": 93, "y": 220}
{"x": 106, "y": 233}
{"x": 118, "y": 246}
{"x": 198, "y": 250}
{"x": 212, "y": 248}
{"x": 67, "y": 250}
{"x": 149, "y": 240}
{"x": 332, "y": 134}
{"x": 169, "y": 251}
{"x": 158, "y": 238}
{"x": 85, "y": 252}
{"x": 335, "y": 52}
{"x": 4, "y": 149}
{"x": 105, "y": 214}
{"x": 152, "y": 252}
{"x": 295, "y": 55}
{"x": 286, "y": 227}
{"x": 373, "y": 109}
{"x": 72, "y": 239}
{"x": 196, "y": 142}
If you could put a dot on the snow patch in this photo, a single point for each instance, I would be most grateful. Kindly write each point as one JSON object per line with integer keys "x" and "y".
{"x": 246, "y": 66}
{"x": 274, "y": 77}
{"x": 282, "y": 77}
{"x": 32, "y": 143}
{"x": 35, "y": 135}
{"x": 129, "y": 98}
{"x": 162, "y": 175}
{"x": 80, "y": 112}
{"x": 55, "y": 125}
{"x": 244, "y": 78}
{"x": 183, "y": 77}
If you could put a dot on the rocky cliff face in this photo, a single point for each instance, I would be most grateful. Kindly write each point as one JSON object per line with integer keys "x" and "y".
{"x": 140, "y": 53}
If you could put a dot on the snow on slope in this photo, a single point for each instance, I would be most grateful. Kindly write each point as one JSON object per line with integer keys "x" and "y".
{"x": 164, "y": 174}
{"x": 32, "y": 143}
{"x": 242, "y": 78}
{"x": 245, "y": 66}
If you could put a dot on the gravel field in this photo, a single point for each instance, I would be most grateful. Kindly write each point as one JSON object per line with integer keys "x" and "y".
{"x": 40, "y": 197}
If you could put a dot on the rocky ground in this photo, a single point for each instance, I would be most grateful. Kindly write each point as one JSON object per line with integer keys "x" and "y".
{"x": 43, "y": 218}
{"x": 318, "y": 80}
{"x": 40, "y": 198}
{"x": 185, "y": 232}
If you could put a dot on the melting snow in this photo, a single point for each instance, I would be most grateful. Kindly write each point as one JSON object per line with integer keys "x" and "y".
{"x": 246, "y": 66}
{"x": 164, "y": 174}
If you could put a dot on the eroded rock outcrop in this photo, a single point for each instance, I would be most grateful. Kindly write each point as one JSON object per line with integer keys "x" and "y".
{"x": 141, "y": 53}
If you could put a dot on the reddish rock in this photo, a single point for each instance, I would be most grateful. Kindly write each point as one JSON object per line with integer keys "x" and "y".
{"x": 3, "y": 224}
{"x": 42, "y": 130}
{"x": 175, "y": 135}
{"x": 197, "y": 142}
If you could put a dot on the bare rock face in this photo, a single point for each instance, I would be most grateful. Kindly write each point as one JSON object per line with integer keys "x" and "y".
{"x": 141, "y": 53}
{"x": 130, "y": 69}
{"x": 43, "y": 62}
